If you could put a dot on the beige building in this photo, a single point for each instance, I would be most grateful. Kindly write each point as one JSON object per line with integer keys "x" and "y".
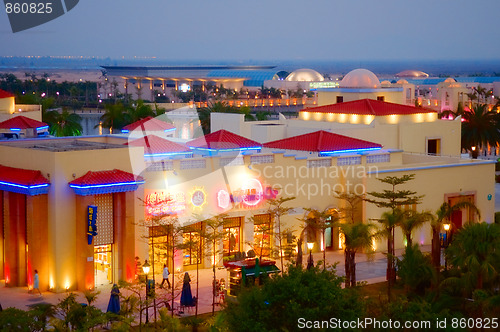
{"x": 9, "y": 108}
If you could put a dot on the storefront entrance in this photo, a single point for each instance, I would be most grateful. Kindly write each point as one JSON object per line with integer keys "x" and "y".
{"x": 103, "y": 264}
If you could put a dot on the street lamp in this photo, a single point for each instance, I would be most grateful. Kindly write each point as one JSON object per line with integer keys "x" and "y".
{"x": 446, "y": 243}
{"x": 145, "y": 269}
{"x": 310, "y": 262}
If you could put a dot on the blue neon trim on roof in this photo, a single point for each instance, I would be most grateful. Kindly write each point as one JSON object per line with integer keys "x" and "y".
{"x": 168, "y": 154}
{"x": 225, "y": 150}
{"x": 38, "y": 189}
{"x": 109, "y": 188}
{"x": 15, "y": 129}
{"x": 125, "y": 131}
{"x": 349, "y": 151}
{"x": 107, "y": 184}
{"x": 43, "y": 127}
{"x": 171, "y": 129}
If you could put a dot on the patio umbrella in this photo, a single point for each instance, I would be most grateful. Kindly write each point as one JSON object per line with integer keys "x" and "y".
{"x": 186, "y": 296}
{"x": 114, "y": 300}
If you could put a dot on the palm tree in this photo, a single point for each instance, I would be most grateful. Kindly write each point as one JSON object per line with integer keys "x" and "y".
{"x": 476, "y": 252}
{"x": 114, "y": 117}
{"x": 411, "y": 221}
{"x": 357, "y": 236}
{"x": 140, "y": 111}
{"x": 64, "y": 124}
{"x": 479, "y": 127}
{"x": 444, "y": 214}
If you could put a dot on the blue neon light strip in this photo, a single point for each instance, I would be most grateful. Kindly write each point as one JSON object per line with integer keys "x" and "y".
{"x": 225, "y": 150}
{"x": 167, "y": 130}
{"x": 349, "y": 150}
{"x": 167, "y": 154}
{"x": 43, "y": 127}
{"x": 15, "y": 129}
{"x": 124, "y": 131}
{"x": 106, "y": 185}
{"x": 26, "y": 190}
{"x": 24, "y": 187}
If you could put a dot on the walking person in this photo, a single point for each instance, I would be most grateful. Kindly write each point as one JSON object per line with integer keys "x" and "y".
{"x": 165, "y": 276}
{"x": 36, "y": 283}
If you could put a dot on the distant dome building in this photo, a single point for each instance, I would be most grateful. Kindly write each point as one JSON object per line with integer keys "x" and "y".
{"x": 305, "y": 75}
{"x": 360, "y": 79}
{"x": 412, "y": 74}
{"x": 402, "y": 81}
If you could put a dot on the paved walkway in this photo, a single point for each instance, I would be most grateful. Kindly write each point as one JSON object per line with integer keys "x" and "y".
{"x": 370, "y": 269}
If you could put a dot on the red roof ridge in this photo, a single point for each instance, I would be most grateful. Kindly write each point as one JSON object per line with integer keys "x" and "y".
{"x": 223, "y": 139}
{"x": 321, "y": 141}
{"x": 106, "y": 177}
{"x": 6, "y": 94}
{"x": 26, "y": 177}
{"x": 154, "y": 123}
{"x": 369, "y": 107}
{"x": 21, "y": 122}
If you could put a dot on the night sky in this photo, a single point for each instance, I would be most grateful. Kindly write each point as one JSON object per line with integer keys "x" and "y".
{"x": 270, "y": 29}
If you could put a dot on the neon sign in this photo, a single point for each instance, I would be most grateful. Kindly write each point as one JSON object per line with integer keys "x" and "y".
{"x": 251, "y": 194}
{"x": 198, "y": 198}
{"x": 158, "y": 203}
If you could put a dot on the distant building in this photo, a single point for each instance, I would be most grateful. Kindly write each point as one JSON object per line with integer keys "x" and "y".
{"x": 9, "y": 109}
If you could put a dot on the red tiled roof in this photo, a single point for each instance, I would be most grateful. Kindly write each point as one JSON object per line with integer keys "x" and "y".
{"x": 5, "y": 94}
{"x": 149, "y": 124}
{"x": 155, "y": 144}
{"x": 25, "y": 177}
{"x": 223, "y": 139}
{"x": 321, "y": 141}
{"x": 21, "y": 122}
{"x": 369, "y": 107}
{"x": 106, "y": 177}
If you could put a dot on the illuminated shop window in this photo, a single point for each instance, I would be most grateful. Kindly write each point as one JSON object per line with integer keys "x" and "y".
{"x": 262, "y": 234}
{"x": 161, "y": 238}
{"x": 192, "y": 250}
{"x": 232, "y": 238}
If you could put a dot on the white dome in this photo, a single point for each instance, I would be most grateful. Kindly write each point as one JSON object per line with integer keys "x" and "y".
{"x": 386, "y": 82}
{"x": 450, "y": 80}
{"x": 359, "y": 79}
{"x": 305, "y": 75}
{"x": 401, "y": 81}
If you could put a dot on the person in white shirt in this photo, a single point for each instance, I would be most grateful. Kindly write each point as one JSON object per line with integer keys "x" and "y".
{"x": 165, "y": 276}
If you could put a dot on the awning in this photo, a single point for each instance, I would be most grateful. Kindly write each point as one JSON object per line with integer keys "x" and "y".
{"x": 105, "y": 182}
{"x": 23, "y": 181}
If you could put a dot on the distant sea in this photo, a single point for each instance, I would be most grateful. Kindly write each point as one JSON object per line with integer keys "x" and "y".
{"x": 382, "y": 68}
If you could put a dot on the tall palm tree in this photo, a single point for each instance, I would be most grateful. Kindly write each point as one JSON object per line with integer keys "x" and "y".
{"x": 114, "y": 117}
{"x": 64, "y": 124}
{"x": 411, "y": 221}
{"x": 357, "y": 236}
{"x": 444, "y": 214}
{"x": 479, "y": 127}
{"x": 476, "y": 252}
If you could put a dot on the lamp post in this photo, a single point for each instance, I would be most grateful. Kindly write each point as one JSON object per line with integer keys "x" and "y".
{"x": 446, "y": 243}
{"x": 145, "y": 269}
{"x": 310, "y": 262}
